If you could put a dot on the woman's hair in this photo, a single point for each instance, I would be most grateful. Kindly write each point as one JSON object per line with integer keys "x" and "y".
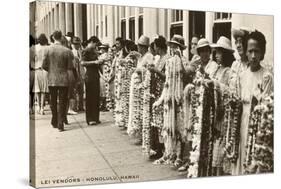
{"x": 227, "y": 57}
{"x": 94, "y": 39}
{"x": 161, "y": 42}
{"x": 57, "y": 35}
{"x": 42, "y": 39}
{"x": 121, "y": 40}
{"x": 130, "y": 46}
{"x": 31, "y": 40}
{"x": 51, "y": 38}
{"x": 260, "y": 38}
{"x": 244, "y": 41}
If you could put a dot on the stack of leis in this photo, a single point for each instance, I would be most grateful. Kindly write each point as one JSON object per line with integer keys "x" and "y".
{"x": 196, "y": 99}
{"x": 259, "y": 154}
{"x": 118, "y": 84}
{"x": 232, "y": 121}
{"x": 146, "y": 113}
{"x": 174, "y": 93}
{"x": 106, "y": 72}
{"x": 136, "y": 104}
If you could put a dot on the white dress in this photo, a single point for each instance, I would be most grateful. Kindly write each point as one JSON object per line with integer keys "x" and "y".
{"x": 251, "y": 87}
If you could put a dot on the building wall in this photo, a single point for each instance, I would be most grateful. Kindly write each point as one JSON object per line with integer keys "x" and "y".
{"x": 105, "y": 22}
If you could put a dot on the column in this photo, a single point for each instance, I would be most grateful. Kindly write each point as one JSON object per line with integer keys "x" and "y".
{"x": 150, "y": 22}
{"x": 52, "y": 21}
{"x": 137, "y": 12}
{"x": 89, "y": 23}
{"x": 169, "y": 17}
{"x": 110, "y": 24}
{"x": 162, "y": 22}
{"x": 185, "y": 31}
{"x": 96, "y": 20}
{"x": 103, "y": 21}
{"x": 127, "y": 15}
{"x": 62, "y": 17}
{"x": 78, "y": 21}
{"x": 92, "y": 20}
{"x": 68, "y": 17}
{"x": 116, "y": 21}
{"x": 56, "y": 17}
{"x": 209, "y": 26}
{"x": 99, "y": 21}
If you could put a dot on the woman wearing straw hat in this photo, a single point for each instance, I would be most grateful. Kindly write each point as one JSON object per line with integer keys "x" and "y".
{"x": 241, "y": 64}
{"x": 171, "y": 98}
{"x": 224, "y": 58}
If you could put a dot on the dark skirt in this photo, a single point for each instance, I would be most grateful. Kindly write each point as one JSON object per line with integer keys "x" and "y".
{"x": 92, "y": 83}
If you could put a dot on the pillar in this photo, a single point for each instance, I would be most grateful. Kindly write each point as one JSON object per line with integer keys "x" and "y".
{"x": 185, "y": 31}
{"x": 150, "y": 21}
{"x": 68, "y": 17}
{"x": 137, "y": 12}
{"x": 89, "y": 23}
{"x": 62, "y": 17}
{"x": 209, "y": 26}
{"x": 78, "y": 21}
{"x": 110, "y": 24}
{"x": 56, "y": 17}
{"x": 116, "y": 22}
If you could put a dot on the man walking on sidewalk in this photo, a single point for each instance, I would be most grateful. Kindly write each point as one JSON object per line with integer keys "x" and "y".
{"x": 57, "y": 61}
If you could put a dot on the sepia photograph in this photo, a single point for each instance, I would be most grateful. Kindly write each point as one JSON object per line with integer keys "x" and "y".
{"x": 123, "y": 94}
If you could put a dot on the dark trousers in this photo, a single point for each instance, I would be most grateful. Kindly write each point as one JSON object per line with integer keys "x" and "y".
{"x": 58, "y": 109}
{"x": 79, "y": 97}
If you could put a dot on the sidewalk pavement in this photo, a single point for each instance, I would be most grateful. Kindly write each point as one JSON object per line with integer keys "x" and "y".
{"x": 91, "y": 154}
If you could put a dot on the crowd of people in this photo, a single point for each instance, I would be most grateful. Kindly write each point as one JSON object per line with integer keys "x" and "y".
{"x": 208, "y": 114}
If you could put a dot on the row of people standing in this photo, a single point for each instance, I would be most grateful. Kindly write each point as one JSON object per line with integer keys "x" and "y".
{"x": 157, "y": 88}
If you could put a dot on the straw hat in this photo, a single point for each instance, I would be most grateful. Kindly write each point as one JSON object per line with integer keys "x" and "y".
{"x": 178, "y": 40}
{"x": 224, "y": 43}
{"x": 202, "y": 43}
{"x": 143, "y": 40}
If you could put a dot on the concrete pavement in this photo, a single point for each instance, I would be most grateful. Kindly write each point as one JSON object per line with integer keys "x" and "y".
{"x": 90, "y": 154}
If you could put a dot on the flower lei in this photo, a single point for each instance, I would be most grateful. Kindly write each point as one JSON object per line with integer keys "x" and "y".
{"x": 146, "y": 119}
{"x": 136, "y": 105}
{"x": 196, "y": 98}
{"x": 232, "y": 121}
{"x": 259, "y": 153}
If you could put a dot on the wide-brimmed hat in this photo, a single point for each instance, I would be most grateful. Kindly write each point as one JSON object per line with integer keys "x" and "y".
{"x": 143, "y": 40}
{"x": 223, "y": 42}
{"x": 178, "y": 40}
{"x": 76, "y": 40}
{"x": 241, "y": 32}
{"x": 202, "y": 43}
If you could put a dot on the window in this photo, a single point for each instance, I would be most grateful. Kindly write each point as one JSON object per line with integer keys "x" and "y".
{"x": 176, "y": 22}
{"x": 123, "y": 29}
{"x": 132, "y": 29}
{"x": 140, "y": 25}
{"x": 222, "y": 25}
{"x": 222, "y": 16}
{"x": 177, "y": 15}
{"x": 97, "y": 30}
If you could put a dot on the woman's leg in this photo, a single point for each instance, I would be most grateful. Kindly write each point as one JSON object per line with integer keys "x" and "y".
{"x": 37, "y": 98}
{"x": 42, "y": 102}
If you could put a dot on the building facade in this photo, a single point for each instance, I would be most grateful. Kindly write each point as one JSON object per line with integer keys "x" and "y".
{"x": 108, "y": 22}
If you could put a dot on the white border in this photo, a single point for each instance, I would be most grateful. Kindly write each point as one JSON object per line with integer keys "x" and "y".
{"x": 14, "y": 89}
